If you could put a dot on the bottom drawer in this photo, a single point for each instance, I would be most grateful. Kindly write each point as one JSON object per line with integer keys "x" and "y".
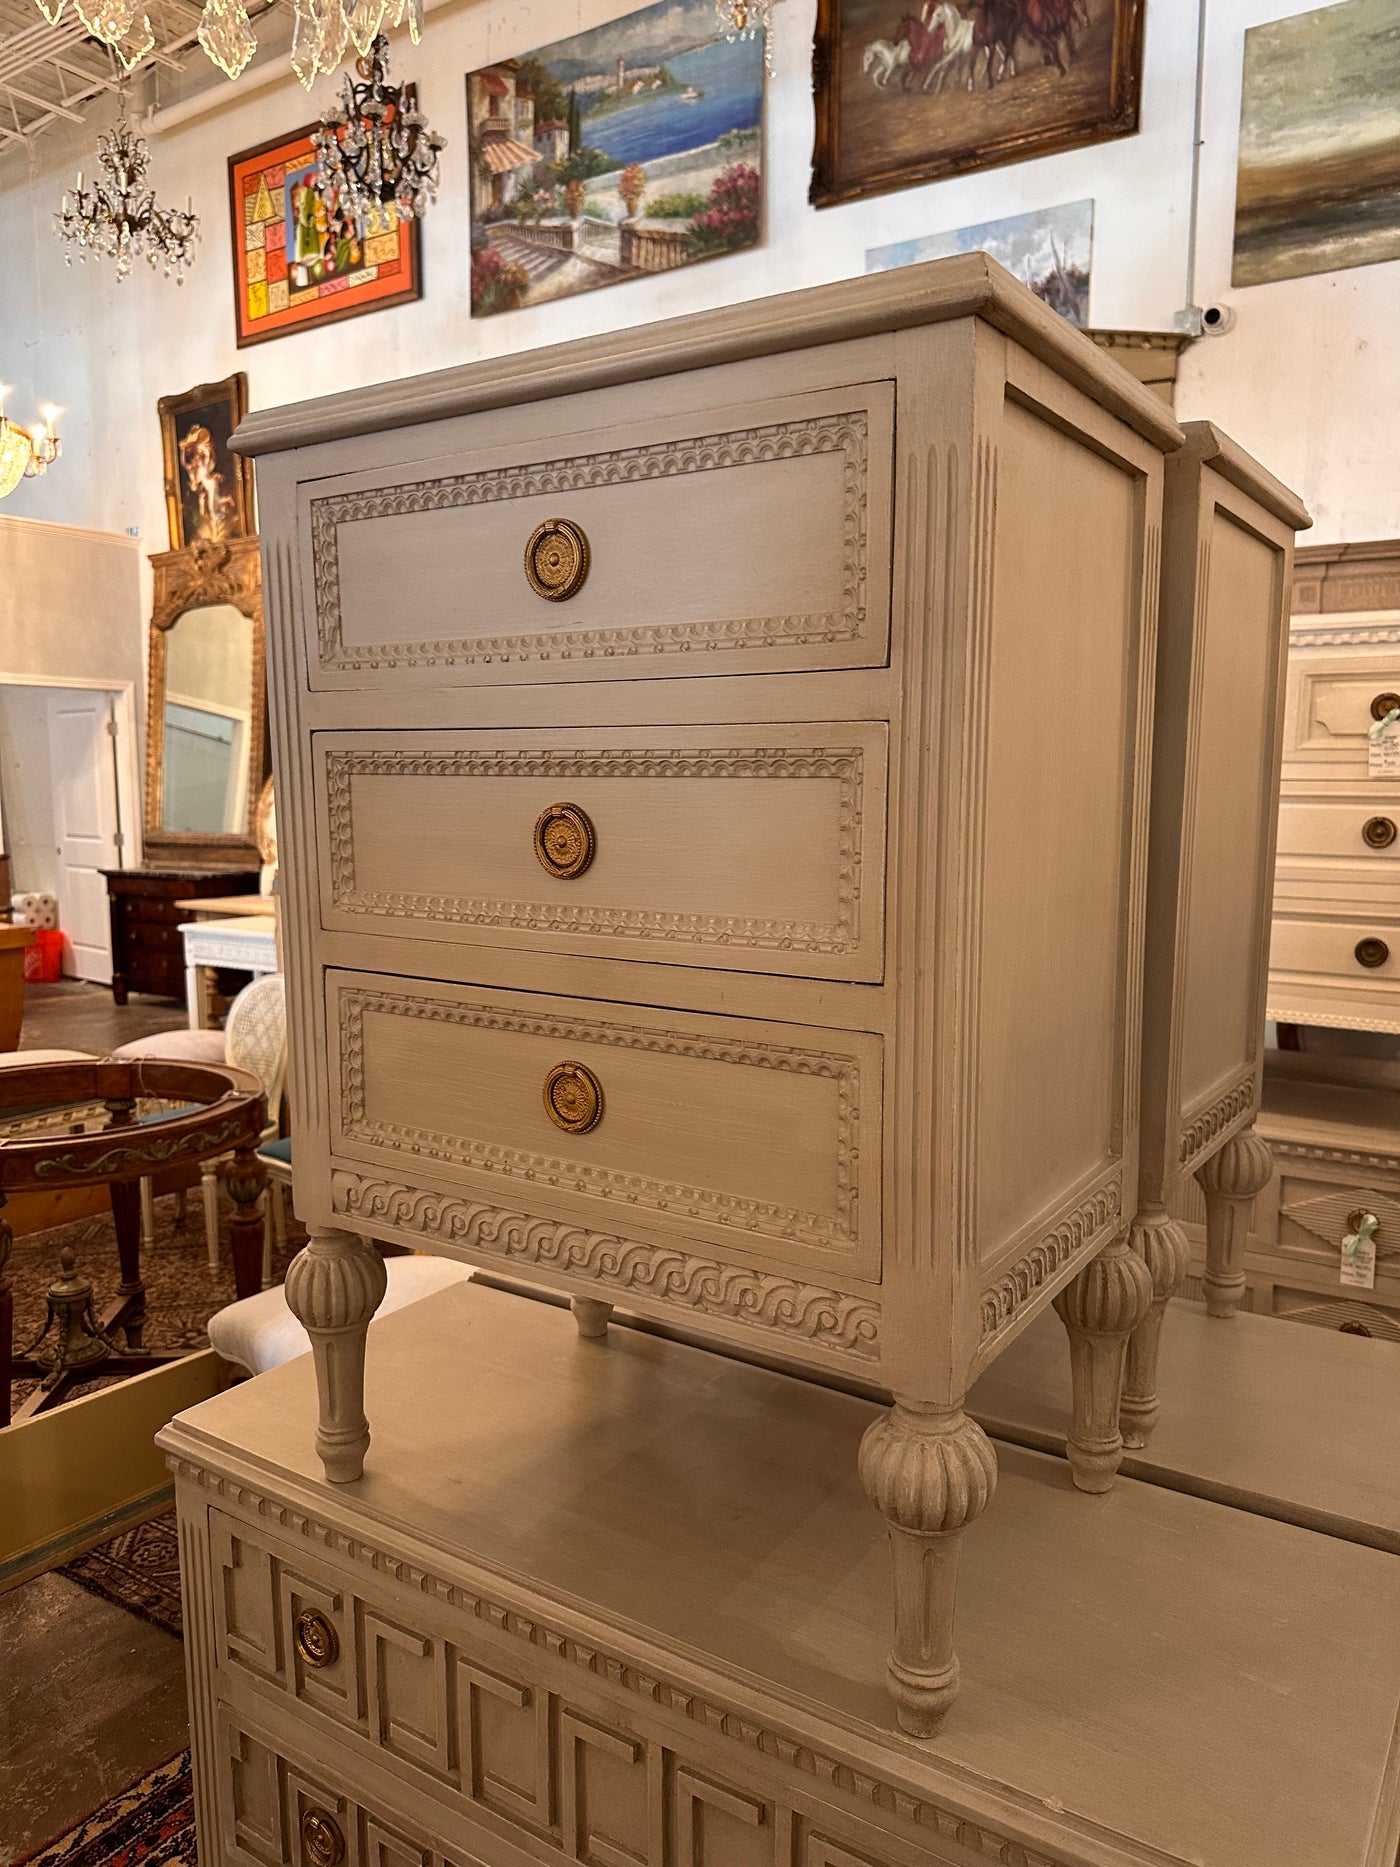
{"x": 1351, "y": 951}
{"x": 279, "y": 1811}
{"x": 1351, "y": 1313}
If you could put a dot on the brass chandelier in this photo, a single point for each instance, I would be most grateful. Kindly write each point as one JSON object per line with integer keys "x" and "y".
{"x": 118, "y": 216}
{"x": 375, "y": 155}
{"x": 25, "y": 453}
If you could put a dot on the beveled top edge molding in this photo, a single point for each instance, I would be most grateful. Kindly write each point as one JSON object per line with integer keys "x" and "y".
{"x": 1216, "y": 449}
{"x": 964, "y": 285}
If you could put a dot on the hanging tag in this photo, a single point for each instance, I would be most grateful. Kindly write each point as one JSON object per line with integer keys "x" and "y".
{"x": 1359, "y": 1251}
{"x": 1383, "y": 747}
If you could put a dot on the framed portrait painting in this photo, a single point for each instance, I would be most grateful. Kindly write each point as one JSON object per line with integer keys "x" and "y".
{"x": 910, "y": 90}
{"x": 208, "y": 488}
{"x": 299, "y": 261}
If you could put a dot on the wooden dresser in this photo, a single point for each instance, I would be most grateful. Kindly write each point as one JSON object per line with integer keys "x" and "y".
{"x": 711, "y": 769}
{"x": 1335, "y": 957}
{"x": 147, "y": 953}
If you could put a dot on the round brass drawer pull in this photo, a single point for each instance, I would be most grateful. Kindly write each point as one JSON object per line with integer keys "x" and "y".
{"x": 565, "y": 840}
{"x": 322, "y": 1843}
{"x": 1383, "y": 704}
{"x": 1378, "y": 832}
{"x": 1358, "y": 1216}
{"x": 1371, "y": 952}
{"x": 556, "y": 559}
{"x": 317, "y": 1641}
{"x": 573, "y": 1098}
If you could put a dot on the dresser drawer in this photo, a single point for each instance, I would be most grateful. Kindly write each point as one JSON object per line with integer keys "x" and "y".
{"x": 1329, "y": 713}
{"x": 761, "y": 1139}
{"x": 755, "y": 848}
{"x": 1361, "y": 831}
{"x": 1331, "y": 947}
{"x": 749, "y": 537}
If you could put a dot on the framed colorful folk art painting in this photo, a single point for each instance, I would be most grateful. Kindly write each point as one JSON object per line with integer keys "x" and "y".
{"x": 298, "y": 263}
{"x": 908, "y": 90}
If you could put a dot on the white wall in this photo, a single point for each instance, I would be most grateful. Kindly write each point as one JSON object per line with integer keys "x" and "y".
{"x": 1309, "y": 378}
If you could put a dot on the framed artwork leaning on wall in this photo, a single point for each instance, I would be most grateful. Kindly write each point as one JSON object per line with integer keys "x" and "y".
{"x": 208, "y": 488}
{"x": 908, "y": 90}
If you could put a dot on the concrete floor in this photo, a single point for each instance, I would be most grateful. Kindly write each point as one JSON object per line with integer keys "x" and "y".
{"x": 74, "y": 1015}
{"x": 90, "y": 1698}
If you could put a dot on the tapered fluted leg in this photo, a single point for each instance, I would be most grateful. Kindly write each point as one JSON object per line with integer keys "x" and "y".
{"x": 591, "y": 1317}
{"x": 1230, "y": 1181}
{"x": 930, "y": 1472}
{"x": 334, "y": 1287}
{"x": 1100, "y": 1309}
{"x": 1161, "y": 1244}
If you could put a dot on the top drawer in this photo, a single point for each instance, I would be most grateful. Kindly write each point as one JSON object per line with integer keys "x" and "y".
{"x": 751, "y": 538}
{"x": 1332, "y": 702}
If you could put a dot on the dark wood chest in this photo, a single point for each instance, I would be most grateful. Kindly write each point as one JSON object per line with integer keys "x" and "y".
{"x": 147, "y": 952}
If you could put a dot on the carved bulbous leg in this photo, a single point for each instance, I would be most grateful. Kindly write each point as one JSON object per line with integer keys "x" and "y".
{"x": 334, "y": 1287}
{"x": 1100, "y": 1309}
{"x": 1230, "y": 1180}
{"x": 591, "y": 1317}
{"x": 930, "y": 1472}
{"x": 1161, "y": 1244}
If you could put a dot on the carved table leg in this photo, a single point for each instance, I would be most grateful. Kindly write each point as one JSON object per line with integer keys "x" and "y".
{"x": 334, "y": 1287}
{"x": 246, "y": 1179}
{"x": 1100, "y": 1309}
{"x": 1161, "y": 1244}
{"x": 930, "y": 1472}
{"x": 7, "y": 1316}
{"x": 591, "y": 1317}
{"x": 1230, "y": 1180}
{"x": 131, "y": 1292}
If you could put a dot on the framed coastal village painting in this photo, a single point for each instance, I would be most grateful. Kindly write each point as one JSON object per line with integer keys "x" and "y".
{"x": 298, "y": 263}
{"x": 1318, "y": 188}
{"x": 908, "y": 90}
{"x": 633, "y": 148}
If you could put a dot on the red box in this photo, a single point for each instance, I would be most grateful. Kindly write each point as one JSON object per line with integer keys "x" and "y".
{"x": 43, "y": 962}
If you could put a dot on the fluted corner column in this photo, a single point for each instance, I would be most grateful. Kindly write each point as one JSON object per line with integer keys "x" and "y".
{"x": 1100, "y": 1309}
{"x": 1231, "y": 1180}
{"x": 1162, "y": 1245}
{"x": 334, "y": 1287}
{"x": 930, "y": 1472}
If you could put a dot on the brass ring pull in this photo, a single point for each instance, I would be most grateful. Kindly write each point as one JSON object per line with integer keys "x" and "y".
{"x": 1358, "y": 1216}
{"x": 1371, "y": 952}
{"x": 322, "y": 1843}
{"x": 573, "y": 1098}
{"x": 1378, "y": 832}
{"x": 556, "y": 559}
{"x": 565, "y": 840}
{"x": 1383, "y": 704}
{"x": 316, "y": 1640}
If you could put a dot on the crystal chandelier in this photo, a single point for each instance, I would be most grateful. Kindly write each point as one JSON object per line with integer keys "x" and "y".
{"x": 748, "y": 19}
{"x": 374, "y": 150}
{"x": 118, "y": 216}
{"x": 26, "y": 453}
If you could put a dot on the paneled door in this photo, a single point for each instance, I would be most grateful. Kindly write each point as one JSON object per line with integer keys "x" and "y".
{"x": 87, "y": 825}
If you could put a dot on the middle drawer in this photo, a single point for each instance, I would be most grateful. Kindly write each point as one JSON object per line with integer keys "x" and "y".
{"x": 756, "y": 848}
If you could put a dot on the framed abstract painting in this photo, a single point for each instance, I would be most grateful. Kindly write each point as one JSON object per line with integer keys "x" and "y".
{"x": 208, "y": 488}
{"x": 298, "y": 262}
{"x": 908, "y": 90}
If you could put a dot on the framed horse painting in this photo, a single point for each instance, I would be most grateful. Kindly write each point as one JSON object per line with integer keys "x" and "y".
{"x": 909, "y": 90}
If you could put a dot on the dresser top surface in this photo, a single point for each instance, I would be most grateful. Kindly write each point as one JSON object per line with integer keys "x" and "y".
{"x": 964, "y": 285}
{"x": 1115, "y": 1650}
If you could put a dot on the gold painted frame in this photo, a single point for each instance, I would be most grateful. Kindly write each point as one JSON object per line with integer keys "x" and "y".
{"x": 229, "y": 572}
{"x": 230, "y": 398}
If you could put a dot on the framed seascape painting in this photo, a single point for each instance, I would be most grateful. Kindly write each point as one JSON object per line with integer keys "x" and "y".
{"x": 1319, "y": 173}
{"x": 208, "y": 488}
{"x": 297, "y": 262}
{"x": 630, "y": 149}
{"x": 908, "y": 90}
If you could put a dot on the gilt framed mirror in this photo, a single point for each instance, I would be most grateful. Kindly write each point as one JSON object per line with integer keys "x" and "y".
{"x": 206, "y": 725}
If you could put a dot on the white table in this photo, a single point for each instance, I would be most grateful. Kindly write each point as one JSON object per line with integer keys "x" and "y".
{"x": 248, "y": 944}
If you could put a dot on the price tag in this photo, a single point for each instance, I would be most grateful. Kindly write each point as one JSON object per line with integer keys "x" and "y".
{"x": 1383, "y": 747}
{"x": 1359, "y": 1253}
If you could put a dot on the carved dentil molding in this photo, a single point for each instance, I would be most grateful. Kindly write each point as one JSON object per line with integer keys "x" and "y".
{"x": 1236, "y": 1101}
{"x": 845, "y": 434}
{"x": 787, "y": 1307}
{"x": 1089, "y": 1221}
{"x": 705, "y": 1710}
{"x": 843, "y": 764}
{"x": 1335, "y": 1156}
{"x": 574, "y": 1175}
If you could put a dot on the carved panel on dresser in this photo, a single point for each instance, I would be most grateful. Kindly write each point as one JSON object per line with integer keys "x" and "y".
{"x": 816, "y": 468}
